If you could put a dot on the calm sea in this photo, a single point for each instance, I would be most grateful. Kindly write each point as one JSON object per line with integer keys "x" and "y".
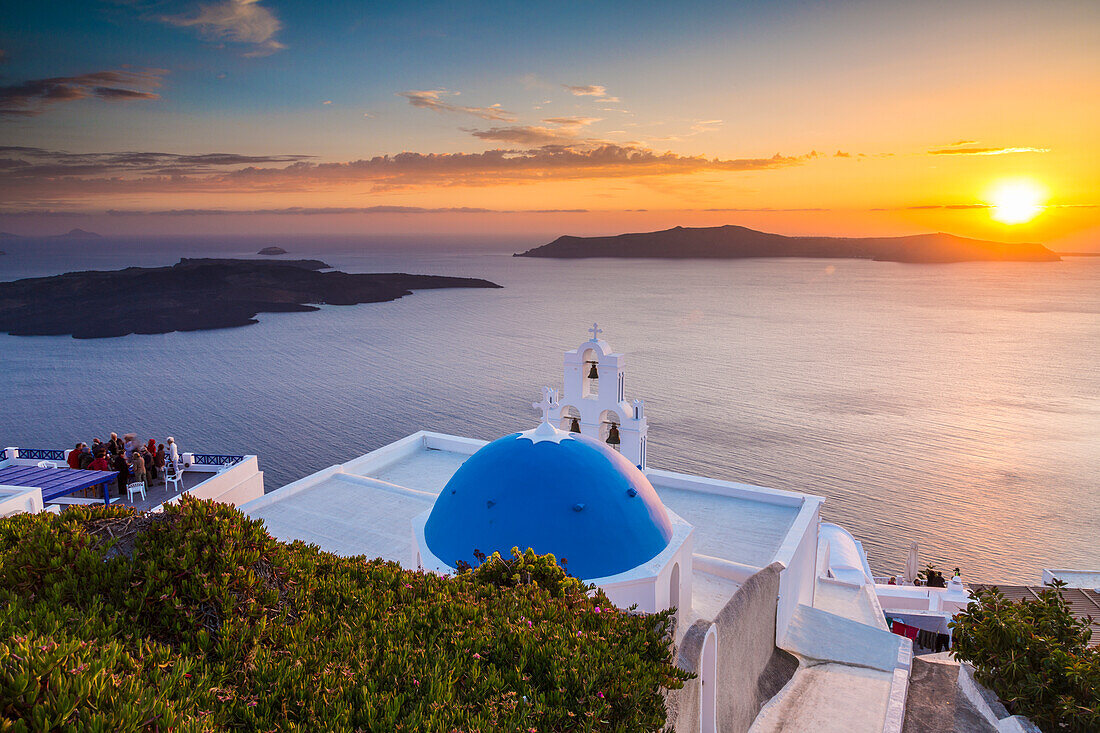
{"x": 957, "y": 406}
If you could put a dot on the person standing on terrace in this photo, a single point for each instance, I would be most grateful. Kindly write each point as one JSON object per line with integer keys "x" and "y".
{"x": 173, "y": 452}
{"x": 123, "y": 469}
{"x": 138, "y": 469}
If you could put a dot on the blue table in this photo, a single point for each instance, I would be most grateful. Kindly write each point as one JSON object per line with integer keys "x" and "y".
{"x": 56, "y": 482}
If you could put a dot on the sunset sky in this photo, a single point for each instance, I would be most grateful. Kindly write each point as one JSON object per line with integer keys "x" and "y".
{"x": 237, "y": 116}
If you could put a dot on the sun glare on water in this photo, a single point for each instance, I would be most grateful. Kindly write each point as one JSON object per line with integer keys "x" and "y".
{"x": 1015, "y": 202}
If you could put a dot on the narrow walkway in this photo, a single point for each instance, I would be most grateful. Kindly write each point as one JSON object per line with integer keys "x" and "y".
{"x": 936, "y": 704}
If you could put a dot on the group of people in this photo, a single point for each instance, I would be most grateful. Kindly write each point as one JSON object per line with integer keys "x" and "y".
{"x": 135, "y": 461}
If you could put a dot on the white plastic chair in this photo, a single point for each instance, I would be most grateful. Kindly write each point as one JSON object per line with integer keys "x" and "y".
{"x": 173, "y": 475}
{"x": 138, "y": 487}
{"x": 47, "y": 464}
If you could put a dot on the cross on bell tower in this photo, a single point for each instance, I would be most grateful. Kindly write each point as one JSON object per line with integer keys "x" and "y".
{"x": 595, "y": 331}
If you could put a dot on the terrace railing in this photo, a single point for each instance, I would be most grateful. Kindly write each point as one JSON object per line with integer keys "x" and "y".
{"x": 40, "y": 454}
{"x": 211, "y": 459}
{"x": 50, "y": 454}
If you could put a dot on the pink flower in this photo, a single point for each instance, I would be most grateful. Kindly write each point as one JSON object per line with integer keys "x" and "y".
{"x": 597, "y": 609}
{"x": 601, "y": 695}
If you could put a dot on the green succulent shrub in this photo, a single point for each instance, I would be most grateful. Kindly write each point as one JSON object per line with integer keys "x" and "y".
{"x": 1035, "y": 655}
{"x": 197, "y": 620}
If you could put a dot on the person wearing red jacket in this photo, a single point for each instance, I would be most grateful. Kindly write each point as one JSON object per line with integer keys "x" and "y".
{"x": 99, "y": 464}
{"x": 74, "y": 457}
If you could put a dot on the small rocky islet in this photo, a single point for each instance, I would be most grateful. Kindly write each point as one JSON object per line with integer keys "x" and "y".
{"x": 194, "y": 295}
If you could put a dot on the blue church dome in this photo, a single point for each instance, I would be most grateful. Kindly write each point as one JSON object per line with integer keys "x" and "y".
{"x": 566, "y": 494}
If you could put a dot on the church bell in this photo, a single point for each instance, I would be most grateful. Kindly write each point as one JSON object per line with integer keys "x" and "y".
{"x": 593, "y": 373}
{"x": 575, "y": 426}
{"x": 613, "y": 436}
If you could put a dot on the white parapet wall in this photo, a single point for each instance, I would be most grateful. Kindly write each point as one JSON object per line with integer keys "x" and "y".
{"x": 235, "y": 484}
{"x": 19, "y": 499}
{"x": 922, "y": 598}
{"x": 388, "y": 455}
{"x": 798, "y": 553}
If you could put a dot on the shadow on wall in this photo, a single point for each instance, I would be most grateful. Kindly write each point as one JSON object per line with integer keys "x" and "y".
{"x": 748, "y": 669}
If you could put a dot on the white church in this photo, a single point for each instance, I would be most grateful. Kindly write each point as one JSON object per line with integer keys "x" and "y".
{"x": 778, "y": 613}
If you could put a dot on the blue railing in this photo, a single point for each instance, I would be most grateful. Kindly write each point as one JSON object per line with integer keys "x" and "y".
{"x": 49, "y": 454}
{"x": 41, "y": 454}
{"x": 210, "y": 459}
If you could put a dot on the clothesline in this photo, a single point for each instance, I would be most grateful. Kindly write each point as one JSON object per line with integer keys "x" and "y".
{"x": 923, "y": 638}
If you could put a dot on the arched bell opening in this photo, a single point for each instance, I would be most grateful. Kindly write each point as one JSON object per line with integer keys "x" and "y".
{"x": 570, "y": 419}
{"x": 610, "y": 426}
{"x": 590, "y": 374}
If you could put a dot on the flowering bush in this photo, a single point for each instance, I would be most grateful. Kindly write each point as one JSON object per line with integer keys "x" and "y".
{"x": 196, "y": 619}
{"x": 1035, "y": 656}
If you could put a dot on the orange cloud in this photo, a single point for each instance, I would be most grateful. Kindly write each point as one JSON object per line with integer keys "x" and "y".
{"x": 957, "y": 149}
{"x": 572, "y": 121}
{"x": 35, "y": 175}
{"x": 590, "y": 90}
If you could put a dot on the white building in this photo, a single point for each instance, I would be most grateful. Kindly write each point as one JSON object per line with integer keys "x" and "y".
{"x": 764, "y": 621}
{"x": 778, "y": 613}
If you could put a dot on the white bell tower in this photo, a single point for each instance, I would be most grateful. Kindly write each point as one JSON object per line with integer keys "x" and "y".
{"x": 594, "y": 401}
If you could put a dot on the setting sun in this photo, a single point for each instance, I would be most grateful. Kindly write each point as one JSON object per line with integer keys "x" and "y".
{"x": 1015, "y": 202}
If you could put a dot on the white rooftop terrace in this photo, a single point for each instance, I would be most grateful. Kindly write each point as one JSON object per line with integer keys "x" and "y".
{"x": 1073, "y": 578}
{"x": 366, "y": 506}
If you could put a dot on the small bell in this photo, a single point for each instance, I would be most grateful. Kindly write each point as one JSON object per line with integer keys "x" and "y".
{"x": 593, "y": 373}
{"x": 613, "y": 436}
{"x": 575, "y": 426}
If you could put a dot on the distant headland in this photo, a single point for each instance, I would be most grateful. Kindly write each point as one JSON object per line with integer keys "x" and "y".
{"x": 71, "y": 234}
{"x": 735, "y": 242}
{"x": 272, "y": 251}
{"x": 193, "y": 295}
